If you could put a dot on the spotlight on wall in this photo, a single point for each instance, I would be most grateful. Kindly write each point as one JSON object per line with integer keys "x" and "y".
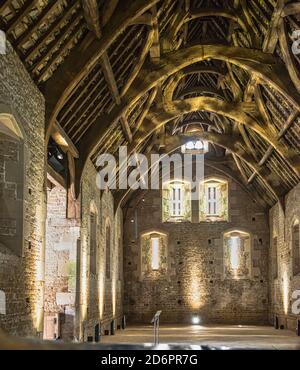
{"x": 196, "y": 320}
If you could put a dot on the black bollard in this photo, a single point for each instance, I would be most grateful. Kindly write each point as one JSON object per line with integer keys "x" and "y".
{"x": 112, "y": 328}
{"x": 124, "y": 322}
{"x": 97, "y": 333}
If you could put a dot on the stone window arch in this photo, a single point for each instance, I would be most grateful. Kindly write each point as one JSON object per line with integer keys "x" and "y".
{"x": 93, "y": 239}
{"x": 93, "y": 243}
{"x": 12, "y": 179}
{"x": 214, "y": 200}
{"x": 154, "y": 255}
{"x": 296, "y": 247}
{"x": 274, "y": 257}
{"x": 237, "y": 256}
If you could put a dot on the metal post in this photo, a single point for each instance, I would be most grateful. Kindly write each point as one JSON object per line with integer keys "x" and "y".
{"x": 155, "y": 322}
{"x": 124, "y": 322}
{"x": 112, "y": 327}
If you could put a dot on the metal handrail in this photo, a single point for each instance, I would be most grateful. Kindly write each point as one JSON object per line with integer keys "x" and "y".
{"x": 155, "y": 321}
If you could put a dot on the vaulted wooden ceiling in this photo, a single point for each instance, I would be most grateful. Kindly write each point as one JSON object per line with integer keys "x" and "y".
{"x": 150, "y": 74}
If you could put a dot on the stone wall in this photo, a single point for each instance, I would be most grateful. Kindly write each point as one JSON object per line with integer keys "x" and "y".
{"x": 11, "y": 192}
{"x": 62, "y": 236}
{"x": 284, "y": 284}
{"x": 195, "y": 282}
{"x": 21, "y": 266}
{"x": 101, "y": 297}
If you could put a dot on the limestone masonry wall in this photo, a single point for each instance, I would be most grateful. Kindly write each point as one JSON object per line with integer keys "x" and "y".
{"x": 283, "y": 285}
{"x": 21, "y": 273}
{"x": 195, "y": 283}
{"x": 62, "y": 236}
{"x": 101, "y": 297}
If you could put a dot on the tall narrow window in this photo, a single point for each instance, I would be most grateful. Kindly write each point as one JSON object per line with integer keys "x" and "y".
{"x": 2, "y": 303}
{"x": 176, "y": 202}
{"x": 237, "y": 255}
{"x": 93, "y": 243}
{"x": 155, "y": 253}
{"x": 108, "y": 236}
{"x": 214, "y": 200}
{"x": 274, "y": 259}
{"x": 2, "y": 43}
{"x": 235, "y": 246}
{"x": 120, "y": 260}
{"x": 296, "y": 248}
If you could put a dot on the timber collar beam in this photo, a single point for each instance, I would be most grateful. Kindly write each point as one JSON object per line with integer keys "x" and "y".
{"x": 236, "y": 15}
{"x": 236, "y": 111}
{"x": 265, "y": 67}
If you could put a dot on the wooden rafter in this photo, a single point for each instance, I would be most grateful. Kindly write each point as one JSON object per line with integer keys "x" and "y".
{"x": 57, "y": 24}
{"x": 73, "y": 70}
{"x": 253, "y": 60}
{"x": 287, "y": 55}
{"x": 72, "y": 27}
{"x": 91, "y": 13}
{"x": 111, "y": 81}
{"x": 84, "y": 77}
{"x": 5, "y": 4}
{"x": 21, "y": 14}
{"x": 37, "y": 23}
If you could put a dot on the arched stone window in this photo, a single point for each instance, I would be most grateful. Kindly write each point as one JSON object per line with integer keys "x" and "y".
{"x": 2, "y": 43}
{"x": 214, "y": 200}
{"x": 195, "y": 147}
{"x": 237, "y": 255}
{"x": 296, "y": 248}
{"x": 2, "y": 303}
{"x": 176, "y": 201}
{"x": 93, "y": 243}
{"x": 154, "y": 251}
{"x": 120, "y": 259}
{"x": 11, "y": 184}
{"x": 108, "y": 250}
{"x": 275, "y": 258}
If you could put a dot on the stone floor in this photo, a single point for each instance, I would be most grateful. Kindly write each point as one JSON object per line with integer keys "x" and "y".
{"x": 249, "y": 337}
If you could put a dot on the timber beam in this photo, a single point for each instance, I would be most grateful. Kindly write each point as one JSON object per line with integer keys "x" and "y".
{"x": 83, "y": 58}
{"x": 264, "y": 66}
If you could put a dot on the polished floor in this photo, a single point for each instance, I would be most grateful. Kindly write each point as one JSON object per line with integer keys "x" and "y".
{"x": 248, "y": 337}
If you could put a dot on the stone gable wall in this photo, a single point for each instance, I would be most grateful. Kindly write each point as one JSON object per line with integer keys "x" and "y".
{"x": 195, "y": 283}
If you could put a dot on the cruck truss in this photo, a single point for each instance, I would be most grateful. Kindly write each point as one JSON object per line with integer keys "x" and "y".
{"x": 152, "y": 73}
